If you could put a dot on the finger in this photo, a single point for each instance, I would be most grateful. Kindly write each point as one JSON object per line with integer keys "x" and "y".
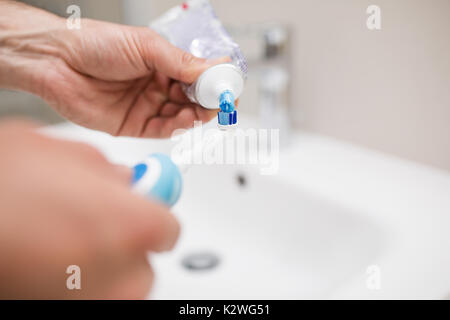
{"x": 151, "y": 226}
{"x": 135, "y": 283}
{"x": 122, "y": 173}
{"x": 184, "y": 119}
{"x": 118, "y": 173}
{"x": 177, "y": 95}
{"x": 170, "y": 60}
{"x": 205, "y": 115}
{"x": 84, "y": 151}
{"x": 169, "y": 109}
{"x": 94, "y": 159}
{"x": 147, "y": 106}
{"x": 18, "y": 125}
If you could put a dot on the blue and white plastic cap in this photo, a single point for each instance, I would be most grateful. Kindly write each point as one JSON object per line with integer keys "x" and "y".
{"x": 227, "y": 118}
{"x": 227, "y": 115}
{"x": 157, "y": 177}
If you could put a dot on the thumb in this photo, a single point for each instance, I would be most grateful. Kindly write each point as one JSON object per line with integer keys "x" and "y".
{"x": 174, "y": 62}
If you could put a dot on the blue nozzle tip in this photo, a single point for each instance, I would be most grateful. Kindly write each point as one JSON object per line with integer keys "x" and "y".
{"x": 227, "y": 118}
{"x": 227, "y": 115}
{"x": 226, "y": 102}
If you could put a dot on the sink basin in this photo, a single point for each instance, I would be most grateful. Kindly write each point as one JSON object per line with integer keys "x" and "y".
{"x": 273, "y": 240}
{"x": 315, "y": 229}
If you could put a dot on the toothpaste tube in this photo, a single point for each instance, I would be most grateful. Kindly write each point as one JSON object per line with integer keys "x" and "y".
{"x": 194, "y": 27}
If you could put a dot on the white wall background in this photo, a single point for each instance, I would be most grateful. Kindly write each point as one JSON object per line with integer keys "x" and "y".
{"x": 387, "y": 89}
{"x": 110, "y": 10}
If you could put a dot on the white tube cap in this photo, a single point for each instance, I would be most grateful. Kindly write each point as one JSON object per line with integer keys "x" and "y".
{"x": 216, "y": 80}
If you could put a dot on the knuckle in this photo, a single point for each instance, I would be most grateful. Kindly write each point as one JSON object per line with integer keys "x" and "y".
{"x": 187, "y": 59}
{"x": 90, "y": 152}
{"x": 147, "y": 43}
{"x": 187, "y": 62}
{"x": 158, "y": 229}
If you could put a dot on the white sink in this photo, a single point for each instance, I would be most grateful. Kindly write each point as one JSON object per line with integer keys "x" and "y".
{"x": 273, "y": 239}
{"x": 310, "y": 231}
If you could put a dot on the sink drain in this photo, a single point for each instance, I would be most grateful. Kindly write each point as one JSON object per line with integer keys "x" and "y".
{"x": 241, "y": 180}
{"x": 200, "y": 261}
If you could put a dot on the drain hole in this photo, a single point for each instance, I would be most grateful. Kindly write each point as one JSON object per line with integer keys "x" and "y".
{"x": 200, "y": 261}
{"x": 241, "y": 180}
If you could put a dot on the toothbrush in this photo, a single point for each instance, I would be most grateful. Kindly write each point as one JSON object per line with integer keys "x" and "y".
{"x": 158, "y": 178}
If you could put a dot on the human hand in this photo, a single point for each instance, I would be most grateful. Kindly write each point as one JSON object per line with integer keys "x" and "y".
{"x": 61, "y": 204}
{"x": 119, "y": 79}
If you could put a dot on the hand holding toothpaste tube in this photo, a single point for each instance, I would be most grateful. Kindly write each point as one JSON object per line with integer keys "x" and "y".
{"x": 119, "y": 79}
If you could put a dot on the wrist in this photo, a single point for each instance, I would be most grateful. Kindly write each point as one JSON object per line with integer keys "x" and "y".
{"x": 28, "y": 41}
{"x": 18, "y": 16}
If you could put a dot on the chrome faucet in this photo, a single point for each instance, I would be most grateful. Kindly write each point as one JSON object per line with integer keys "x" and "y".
{"x": 267, "y": 48}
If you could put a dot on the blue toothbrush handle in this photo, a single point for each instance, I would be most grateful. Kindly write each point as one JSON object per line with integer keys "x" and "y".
{"x": 158, "y": 178}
